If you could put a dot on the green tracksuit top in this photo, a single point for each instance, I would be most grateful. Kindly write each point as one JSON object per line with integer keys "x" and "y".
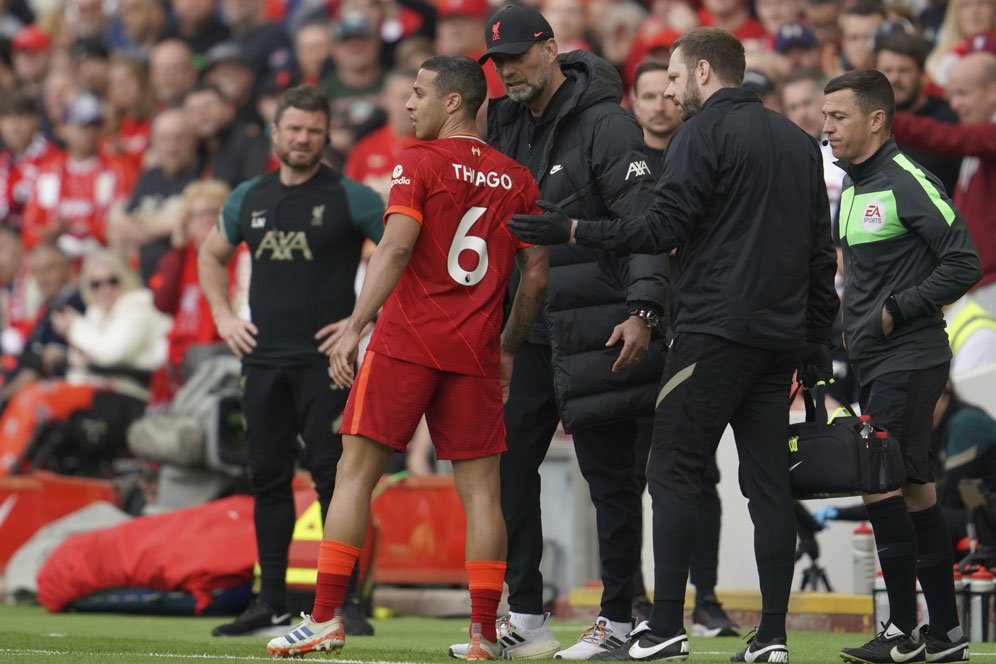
{"x": 900, "y": 236}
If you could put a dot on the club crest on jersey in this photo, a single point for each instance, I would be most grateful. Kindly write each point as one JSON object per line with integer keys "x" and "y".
{"x": 397, "y": 178}
{"x": 637, "y": 169}
{"x": 317, "y": 215}
{"x": 257, "y": 219}
{"x": 873, "y": 218}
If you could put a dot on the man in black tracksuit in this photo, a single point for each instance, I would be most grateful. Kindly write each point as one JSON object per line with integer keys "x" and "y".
{"x": 562, "y": 120}
{"x": 906, "y": 252}
{"x": 305, "y": 227}
{"x": 743, "y": 200}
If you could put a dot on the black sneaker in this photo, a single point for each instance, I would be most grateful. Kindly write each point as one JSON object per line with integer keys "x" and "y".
{"x": 642, "y": 607}
{"x": 259, "y": 619}
{"x": 709, "y": 619}
{"x": 643, "y": 645}
{"x": 889, "y": 646}
{"x": 774, "y": 650}
{"x": 944, "y": 651}
{"x": 354, "y": 619}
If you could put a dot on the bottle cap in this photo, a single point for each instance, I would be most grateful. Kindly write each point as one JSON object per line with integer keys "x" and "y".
{"x": 865, "y": 418}
{"x": 863, "y": 529}
{"x": 881, "y": 434}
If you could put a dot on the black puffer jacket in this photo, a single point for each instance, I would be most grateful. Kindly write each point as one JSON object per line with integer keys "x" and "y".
{"x": 593, "y": 164}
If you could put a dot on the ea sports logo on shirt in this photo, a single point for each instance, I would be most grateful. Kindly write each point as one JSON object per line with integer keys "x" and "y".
{"x": 396, "y": 176}
{"x": 873, "y": 218}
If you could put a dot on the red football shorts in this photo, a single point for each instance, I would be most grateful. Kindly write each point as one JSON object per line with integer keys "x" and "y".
{"x": 465, "y": 413}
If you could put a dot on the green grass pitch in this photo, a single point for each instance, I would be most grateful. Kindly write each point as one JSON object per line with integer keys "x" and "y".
{"x": 29, "y": 634}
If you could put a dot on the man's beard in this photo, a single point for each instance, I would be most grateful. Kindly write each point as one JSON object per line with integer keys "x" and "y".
{"x": 531, "y": 90}
{"x": 910, "y": 100}
{"x": 691, "y": 100}
{"x": 284, "y": 156}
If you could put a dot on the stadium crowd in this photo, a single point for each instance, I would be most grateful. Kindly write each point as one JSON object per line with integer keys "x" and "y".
{"x": 125, "y": 125}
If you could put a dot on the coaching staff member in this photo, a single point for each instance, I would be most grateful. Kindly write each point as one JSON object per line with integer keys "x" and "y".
{"x": 742, "y": 198}
{"x": 907, "y": 252}
{"x": 562, "y": 120}
{"x": 305, "y": 227}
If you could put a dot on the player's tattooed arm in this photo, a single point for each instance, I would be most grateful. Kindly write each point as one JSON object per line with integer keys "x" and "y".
{"x": 534, "y": 266}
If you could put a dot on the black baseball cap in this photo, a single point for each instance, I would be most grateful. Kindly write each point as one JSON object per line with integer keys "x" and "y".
{"x": 513, "y": 30}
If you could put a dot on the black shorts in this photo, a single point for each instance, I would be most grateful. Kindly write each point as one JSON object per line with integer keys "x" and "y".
{"x": 902, "y": 402}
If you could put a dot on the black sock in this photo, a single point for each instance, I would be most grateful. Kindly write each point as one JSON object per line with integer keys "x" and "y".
{"x": 703, "y": 595}
{"x": 772, "y": 627}
{"x": 667, "y": 617}
{"x": 934, "y": 566}
{"x": 895, "y": 539}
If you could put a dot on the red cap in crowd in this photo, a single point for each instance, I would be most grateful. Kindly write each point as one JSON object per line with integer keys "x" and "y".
{"x": 468, "y": 8}
{"x": 30, "y": 38}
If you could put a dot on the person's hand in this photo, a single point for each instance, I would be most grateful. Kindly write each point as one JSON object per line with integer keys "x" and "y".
{"x": 63, "y": 319}
{"x": 888, "y": 322}
{"x": 505, "y": 373}
{"x": 342, "y": 359}
{"x": 238, "y": 334}
{"x": 551, "y": 227}
{"x": 826, "y": 514}
{"x": 815, "y": 365}
{"x": 635, "y": 336}
{"x": 332, "y": 332}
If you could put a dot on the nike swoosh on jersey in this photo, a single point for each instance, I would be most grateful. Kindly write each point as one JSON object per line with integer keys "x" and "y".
{"x": 556, "y": 169}
{"x": 276, "y": 620}
{"x": 795, "y": 465}
{"x": 537, "y": 34}
{"x": 636, "y": 651}
{"x": 899, "y": 656}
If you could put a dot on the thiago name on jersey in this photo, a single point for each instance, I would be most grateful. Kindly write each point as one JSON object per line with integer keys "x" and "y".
{"x": 479, "y": 179}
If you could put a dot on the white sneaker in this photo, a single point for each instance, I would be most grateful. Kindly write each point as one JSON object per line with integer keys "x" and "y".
{"x": 479, "y": 648}
{"x": 600, "y": 638}
{"x": 309, "y": 636}
{"x": 522, "y": 643}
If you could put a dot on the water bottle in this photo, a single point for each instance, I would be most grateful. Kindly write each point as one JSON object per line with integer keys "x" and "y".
{"x": 960, "y": 588}
{"x": 863, "y": 557}
{"x": 981, "y": 586}
{"x": 881, "y": 444}
{"x": 922, "y": 615}
{"x": 880, "y": 599}
{"x": 867, "y": 430}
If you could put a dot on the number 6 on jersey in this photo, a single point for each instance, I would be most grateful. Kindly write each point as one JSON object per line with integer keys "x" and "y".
{"x": 461, "y": 242}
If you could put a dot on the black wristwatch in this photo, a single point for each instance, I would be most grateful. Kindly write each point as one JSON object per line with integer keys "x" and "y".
{"x": 649, "y": 317}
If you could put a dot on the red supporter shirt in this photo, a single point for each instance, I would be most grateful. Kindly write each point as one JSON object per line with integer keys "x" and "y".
{"x": 750, "y": 29}
{"x": 371, "y": 161}
{"x": 446, "y": 311}
{"x": 129, "y": 142}
{"x": 18, "y": 175}
{"x": 79, "y": 193}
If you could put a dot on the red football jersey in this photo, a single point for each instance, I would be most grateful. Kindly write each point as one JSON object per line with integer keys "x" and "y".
{"x": 446, "y": 311}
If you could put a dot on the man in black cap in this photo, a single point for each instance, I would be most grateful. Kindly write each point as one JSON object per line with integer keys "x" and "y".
{"x": 594, "y": 358}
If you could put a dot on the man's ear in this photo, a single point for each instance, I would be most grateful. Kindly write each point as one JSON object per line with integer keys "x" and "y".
{"x": 877, "y": 120}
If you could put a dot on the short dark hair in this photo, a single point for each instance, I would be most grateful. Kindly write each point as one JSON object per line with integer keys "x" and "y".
{"x": 208, "y": 87}
{"x": 867, "y": 8}
{"x": 723, "y": 52}
{"x": 462, "y": 75}
{"x": 646, "y": 67}
{"x": 903, "y": 43}
{"x": 872, "y": 91}
{"x": 304, "y": 98}
{"x": 18, "y": 103}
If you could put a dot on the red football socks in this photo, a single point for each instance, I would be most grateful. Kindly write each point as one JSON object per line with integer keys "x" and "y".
{"x": 335, "y": 565}
{"x": 486, "y": 578}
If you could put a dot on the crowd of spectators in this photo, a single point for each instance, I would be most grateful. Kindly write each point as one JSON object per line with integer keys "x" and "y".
{"x": 123, "y": 123}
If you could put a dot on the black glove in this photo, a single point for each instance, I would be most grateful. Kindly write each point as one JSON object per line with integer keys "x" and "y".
{"x": 815, "y": 365}
{"x": 551, "y": 227}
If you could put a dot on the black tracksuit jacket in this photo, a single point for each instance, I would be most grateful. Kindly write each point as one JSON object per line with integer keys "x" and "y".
{"x": 743, "y": 200}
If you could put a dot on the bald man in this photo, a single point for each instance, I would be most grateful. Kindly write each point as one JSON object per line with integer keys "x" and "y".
{"x": 171, "y": 71}
{"x": 972, "y": 94}
{"x": 144, "y": 225}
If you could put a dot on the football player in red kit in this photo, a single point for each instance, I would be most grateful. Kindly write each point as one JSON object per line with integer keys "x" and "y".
{"x": 438, "y": 348}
